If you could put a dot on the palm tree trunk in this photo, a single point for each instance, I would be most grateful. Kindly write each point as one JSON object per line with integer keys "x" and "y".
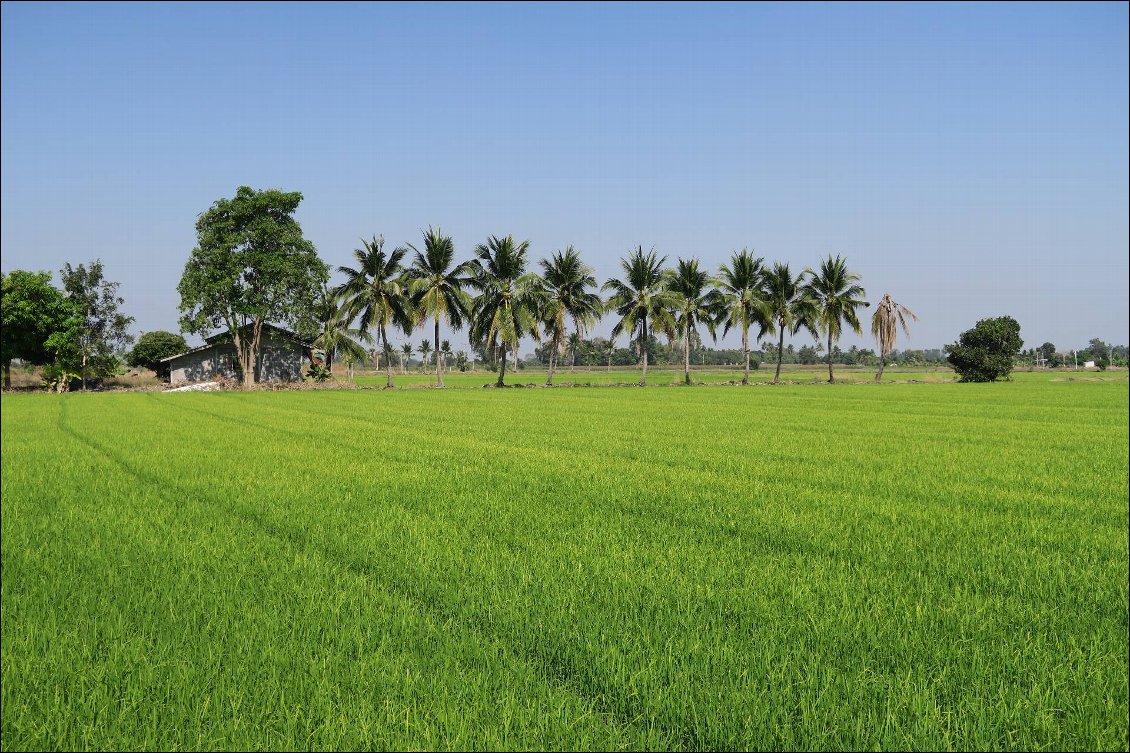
{"x": 643, "y": 352}
{"x": 439, "y": 366}
{"x": 780, "y": 355}
{"x": 882, "y": 365}
{"x": 552, "y": 359}
{"x": 502, "y": 370}
{"x": 388, "y": 357}
{"x": 831, "y": 376}
{"x": 687, "y": 357}
{"x": 745, "y": 348}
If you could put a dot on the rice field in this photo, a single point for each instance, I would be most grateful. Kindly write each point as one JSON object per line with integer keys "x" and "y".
{"x": 596, "y": 376}
{"x": 927, "y": 566}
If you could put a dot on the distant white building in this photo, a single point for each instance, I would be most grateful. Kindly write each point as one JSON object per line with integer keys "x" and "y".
{"x": 1088, "y": 364}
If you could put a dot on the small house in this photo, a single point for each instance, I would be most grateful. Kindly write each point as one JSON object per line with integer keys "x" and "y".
{"x": 283, "y": 357}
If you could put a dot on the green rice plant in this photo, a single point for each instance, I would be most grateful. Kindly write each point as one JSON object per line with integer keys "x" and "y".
{"x": 853, "y": 566}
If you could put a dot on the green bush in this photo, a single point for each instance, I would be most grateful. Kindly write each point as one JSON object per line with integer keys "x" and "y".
{"x": 986, "y": 352}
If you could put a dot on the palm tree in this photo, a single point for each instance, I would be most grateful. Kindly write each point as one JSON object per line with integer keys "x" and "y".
{"x": 424, "y": 350}
{"x": 571, "y": 344}
{"x": 437, "y": 287}
{"x": 405, "y": 354}
{"x": 836, "y": 296}
{"x": 884, "y": 326}
{"x": 376, "y": 291}
{"x": 509, "y": 301}
{"x": 567, "y": 280}
{"x": 698, "y": 303}
{"x": 336, "y": 337}
{"x": 740, "y": 287}
{"x": 640, "y": 296}
{"x": 788, "y": 308}
{"x": 444, "y": 350}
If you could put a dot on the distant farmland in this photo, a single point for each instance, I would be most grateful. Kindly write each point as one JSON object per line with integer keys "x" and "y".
{"x": 929, "y": 566}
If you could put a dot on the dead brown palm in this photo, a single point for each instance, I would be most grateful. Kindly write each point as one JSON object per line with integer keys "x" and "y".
{"x": 884, "y": 326}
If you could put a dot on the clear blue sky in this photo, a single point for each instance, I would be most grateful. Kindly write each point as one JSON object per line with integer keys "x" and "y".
{"x": 972, "y": 160}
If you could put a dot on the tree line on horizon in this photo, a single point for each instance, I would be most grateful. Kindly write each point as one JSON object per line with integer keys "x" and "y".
{"x": 252, "y": 266}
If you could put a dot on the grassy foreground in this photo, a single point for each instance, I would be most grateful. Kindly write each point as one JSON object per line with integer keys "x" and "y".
{"x": 935, "y": 566}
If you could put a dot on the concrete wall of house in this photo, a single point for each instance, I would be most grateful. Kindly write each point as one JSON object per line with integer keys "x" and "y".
{"x": 280, "y": 360}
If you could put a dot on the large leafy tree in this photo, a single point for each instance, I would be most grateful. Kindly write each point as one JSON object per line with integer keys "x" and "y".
{"x": 376, "y": 290}
{"x": 836, "y": 294}
{"x": 642, "y": 300}
{"x": 986, "y": 352}
{"x": 740, "y": 288}
{"x": 699, "y": 302}
{"x": 509, "y": 301}
{"x": 97, "y": 330}
{"x": 153, "y": 346}
{"x": 437, "y": 287}
{"x": 885, "y": 323}
{"x": 568, "y": 294}
{"x": 251, "y": 266}
{"x": 788, "y": 308}
{"x": 31, "y": 310}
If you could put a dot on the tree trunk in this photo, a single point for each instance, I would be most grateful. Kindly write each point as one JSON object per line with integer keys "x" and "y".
{"x": 780, "y": 355}
{"x": 502, "y": 369}
{"x": 439, "y": 357}
{"x": 687, "y": 357}
{"x": 249, "y": 370}
{"x": 831, "y": 376}
{"x": 247, "y": 354}
{"x": 83, "y": 375}
{"x": 552, "y": 359}
{"x": 7, "y": 373}
{"x": 388, "y": 357}
{"x": 643, "y": 352}
{"x": 745, "y": 349}
{"x": 882, "y": 365}
{"x": 242, "y": 353}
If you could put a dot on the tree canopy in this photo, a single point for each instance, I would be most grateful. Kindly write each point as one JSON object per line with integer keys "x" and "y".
{"x": 90, "y": 342}
{"x": 31, "y": 309}
{"x": 986, "y": 352}
{"x": 151, "y": 347}
{"x": 251, "y": 266}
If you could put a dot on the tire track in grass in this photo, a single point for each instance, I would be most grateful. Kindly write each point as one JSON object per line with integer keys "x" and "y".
{"x": 290, "y": 546}
{"x": 553, "y": 668}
